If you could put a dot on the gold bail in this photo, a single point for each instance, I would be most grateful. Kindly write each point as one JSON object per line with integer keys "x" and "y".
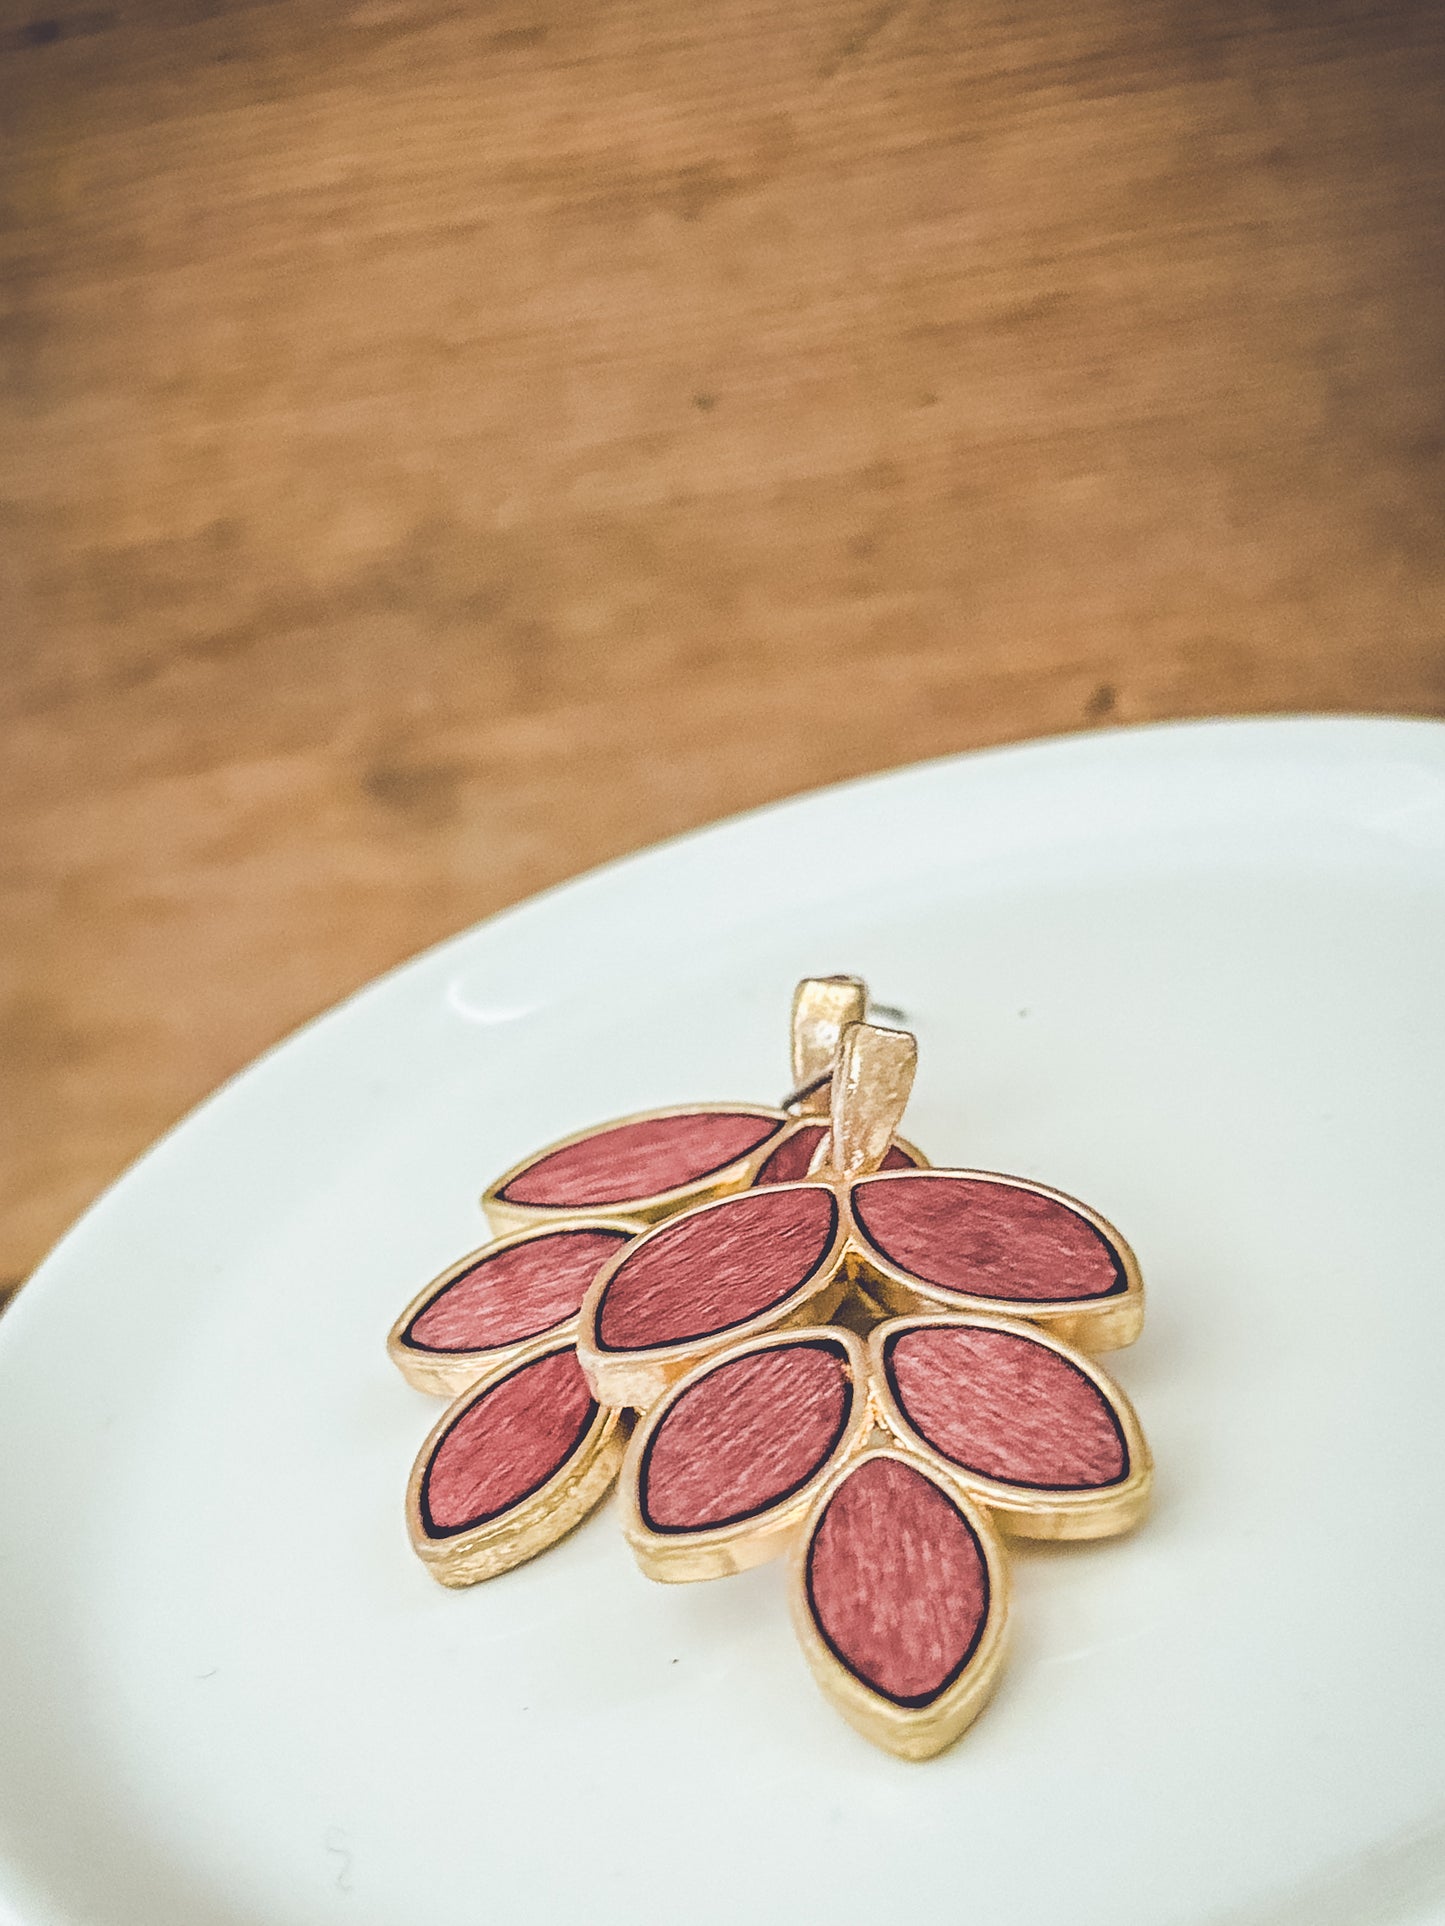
{"x": 823, "y": 1007}
{"x": 871, "y": 1082}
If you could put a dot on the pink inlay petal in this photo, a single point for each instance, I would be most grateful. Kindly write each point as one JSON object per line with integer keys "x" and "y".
{"x": 748, "y": 1435}
{"x": 506, "y": 1444}
{"x": 716, "y": 1267}
{"x": 514, "y": 1293}
{"x": 897, "y": 1582}
{"x": 988, "y": 1239}
{"x": 632, "y": 1161}
{"x": 1006, "y": 1406}
{"x": 791, "y": 1159}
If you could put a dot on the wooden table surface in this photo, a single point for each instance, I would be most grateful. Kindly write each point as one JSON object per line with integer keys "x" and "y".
{"x": 446, "y": 445}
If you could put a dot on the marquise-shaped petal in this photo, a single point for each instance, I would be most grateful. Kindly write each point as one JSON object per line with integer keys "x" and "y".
{"x": 493, "y": 1302}
{"x": 722, "y": 1273}
{"x": 899, "y": 1601}
{"x": 720, "y": 1473}
{"x": 513, "y": 1465}
{"x": 1030, "y": 1427}
{"x": 638, "y": 1169}
{"x": 790, "y": 1161}
{"x": 975, "y": 1241}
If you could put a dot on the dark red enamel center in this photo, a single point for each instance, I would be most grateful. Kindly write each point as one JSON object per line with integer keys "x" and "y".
{"x": 515, "y": 1293}
{"x": 1006, "y": 1407}
{"x": 638, "y": 1160}
{"x": 897, "y": 1582}
{"x": 717, "y": 1267}
{"x": 745, "y": 1437}
{"x": 988, "y": 1239}
{"x": 506, "y": 1444}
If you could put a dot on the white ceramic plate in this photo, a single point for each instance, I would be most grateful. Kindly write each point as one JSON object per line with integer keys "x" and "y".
{"x": 1193, "y": 975}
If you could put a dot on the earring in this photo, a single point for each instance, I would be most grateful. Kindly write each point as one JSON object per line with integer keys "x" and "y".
{"x": 882, "y": 1368}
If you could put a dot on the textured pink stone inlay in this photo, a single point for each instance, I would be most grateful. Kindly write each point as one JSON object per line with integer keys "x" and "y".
{"x": 507, "y": 1444}
{"x": 745, "y": 1436}
{"x": 897, "y": 1581}
{"x": 1006, "y": 1407}
{"x": 717, "y": 1267}
{"x": 514, "y": 1294}
{"x": 639, "y": 1160}
{"x": 790, "y": 1160}
{"x": 989, "y": 1239}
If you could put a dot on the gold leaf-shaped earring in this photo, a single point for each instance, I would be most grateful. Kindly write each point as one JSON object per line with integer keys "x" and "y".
{"x": 835, "y": 1351}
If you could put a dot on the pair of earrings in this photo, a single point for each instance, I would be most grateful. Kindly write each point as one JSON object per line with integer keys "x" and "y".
{"x": 829, "y": 1348}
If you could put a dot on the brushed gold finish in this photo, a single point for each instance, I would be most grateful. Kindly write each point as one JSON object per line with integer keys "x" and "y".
{"x": 872, "y": 1080}
{"x": 823, "y": 1007}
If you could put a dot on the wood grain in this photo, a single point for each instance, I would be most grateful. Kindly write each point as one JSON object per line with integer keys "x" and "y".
{"x": 447, "y": 445}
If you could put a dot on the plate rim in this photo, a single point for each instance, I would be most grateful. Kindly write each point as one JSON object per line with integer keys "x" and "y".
{"x": 1252, "y": 733}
